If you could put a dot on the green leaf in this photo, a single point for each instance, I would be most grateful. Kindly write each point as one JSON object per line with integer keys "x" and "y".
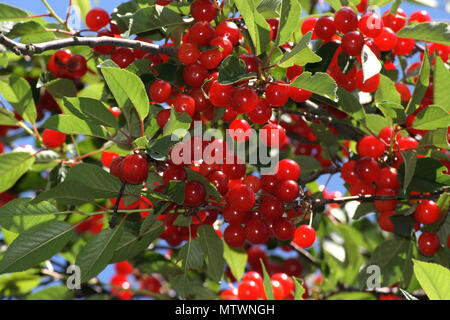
{"x": 422, "y": 84}
{"x": 8, "y": 13}
{"x": 386, "y": 91}
{"x": 191, "y": 255}
{"x": 301, "y": 54}
{"x": 52, "y": 293}
{"x": 352, "y": 296}
{"x": 60, "y": 88}
{"x": 68, "y": 193}
{"x": 394, "y": 111}
{"x": 363, "y": 209}
{"x": 308, "y": 164}
{"x": 350, "y": 104}
{"x": 435, "y": 138}
{"x": 375, "y": 123}
{"x": 36, "y": 245}
{"x": 257, "y": 26}
{"x": 17, "y": 92}
{"x": 212, "y": 247}
{"x": 320, "y": 83}
{"x": 211, "y": 189}
{"x": 154, "y": 18}
{"x": 438, "y": 32}
{"x": 236, "y": 259}
{"x": 290, "y": 13}
{"x": 441, "y": 83}
{"x": 70, "y": 124}
{"x": 327, "y": 139}
{"x": 175, "y": 191}
{"x": 128, "y": 90}
{"x": 432, "y": 117}
{"x": 182, "y": 284}
{"x": 178, "y": 124}
{"x": 232, "y": 70}
{"x": 7, "y": 118}
{"x": 428, "y": 175}
{"x": 12, "y": 166}
{"x": 91, "y": 110}
{"x": 18, "y": 283}
{"x": 434, "y": 279}
{"x": 299, "y": 290}
{"x": 19, "y": 215}
{"x": 267, "y": 283}
{"x": 97, "y": 253}
{"x": 410, "y": 161}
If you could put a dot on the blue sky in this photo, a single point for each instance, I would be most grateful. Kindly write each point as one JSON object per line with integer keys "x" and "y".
{"x": 60, "y": 6}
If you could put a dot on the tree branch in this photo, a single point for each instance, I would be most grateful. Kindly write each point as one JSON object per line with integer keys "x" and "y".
{"x": 31, "y": 49}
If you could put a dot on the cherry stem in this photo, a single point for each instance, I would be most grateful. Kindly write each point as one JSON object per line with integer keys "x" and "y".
{"x": 113, "y": 221}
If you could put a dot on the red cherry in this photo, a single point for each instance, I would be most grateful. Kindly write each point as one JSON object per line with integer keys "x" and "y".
{"x": 251, "y": 62}
{"x": 225, "y": 45}
{"x": 277, "y": 94}
{"x": 115, "y": 166}
{"x": 241, "y": 198}
{"x": 367, "y": 169}
{"x": 194, "y": 193}
{"x": 385, "y": 205}
{"x": 286, "y": 282}
{"x": 287, "y": 169}
{"x": 253, "y": 182}
{"x": 419, "y": 16}
{"x": 134, "y": 169}
{"x": 201, "y": 33}
{"x": 388, "y": 178}
{"x": 348, "y": 172}
{"x": 163, "y": 117}
{"x": 304, "y": 236}
{"x": 427, "y": 212}
{"x": 298, "y": 94}
{"x": 104, "y": 49}
{"x": 174, "y": 173}
{"x": 325, "y": 28}
{"x": 352, "y": 43}
{"x": 361, "y": 188}
{"x": 195, "y": 74}
{"x": 201, "y": 102}
{"x": 385, "y": 222}
{"x": 159, "y": 91}
{"x": 234, "y": 168}
{"x": 370, "y": 146}
{"x": 120, "y": 286}
{"x": 403, "y": 89}
{"x": 271, "y": 207}
{"x": 262, "y": 113}
{"x": 277, "y": 290}
{"x": 228, "y": 30}
{"x": 188, "y": 53}
{"x": 52, "y": 138}
{"x": 240, "y": 130}
{"x": 234, "y": 235}
{"x": 404, "y": 46}
{"x": 97, "y": 18}
{"x": 292, "y": 267}
{"x": 395, "y": 21}
{"x": 429, "y": 243}
{"x": 77, "y": 66}
{"x": 244, "y": 100}
{"x": 284, "y": 229}
{"x": 123, "y": 57}
{"x": 407, "y": 143}
{"x": 370, "y": 85}
{"x": 345, "y": 20}
{"x": 232, "y": 216}
{"x": 184, "y": 103}
{"x": 219, "y": 180}
{"x": 272, "y": 135}
{"x": 210, "y": 59}
{"x": 309, "y": 25}
{"x": 386, "y": 40}
{"x": 248, "y": 290}
{"x": 370, "y": 25}
{"x": 108, "y": 157}
{"x": 203, "y": 10}
{"x": 256, "y": 231}
{"x": 287, "y": 190}
{"x": 387, "y": 133}
{"x": 273, "y": 23}
{"x": 123, "y": 267}
{"x": 220, "y": 94}
{"x": 293, "y": 72}
{"x": 269, "y": 183}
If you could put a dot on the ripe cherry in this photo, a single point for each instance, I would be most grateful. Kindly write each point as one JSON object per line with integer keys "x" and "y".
{"x": 188, "y": 53}
{"x": 241, "y": 198}
{"x": 104, "y": 49}
{"x": 160, "y": 90}
{"x": 386, "y": 40}
{"x": 194, "y": 193}
{"x": 97, "y": 18}
{"x": 419, "y": 16}
{"x": 298, "y": 94}
{"x": 174, "y": 173}
{"x": 287, "y": 169}
{"x": 293, "y": 72}
{"x": 52, "y": 138}
{"x": 395, "y": 21}
{"x": 385, "y": 222}
{"x": 309, "y": 25}
{"x": 370, "y": 25}
{"x": 248, "y": 290}
{"x": 244, "y": 100}
{"x": 220, "y": 94}
{"x": 232, "y": 216}
{"x": 345, "y": 20}
{"x": 370, "y": 146}
{"x": 385, "y": 205}
{"x": 123, "y": 57}
{"x": 404, "y": 46}
{"x": 123, "y": 267}
{"x": 228, "y": 30}
{"x": 234, "y": 168}
{"x": 370, "y": 85}
{"x": 256, "y": 231}
{"x": 115, "y": 166}
{"x": 163, "y": 117}
{"x": 271, "y": 208}
{"x": 325, "y": 28}
{"x": 108, "y": 157}
{"x": 251, "y": 62}
{"x": 195, "y": 74}
{"x": 277, "y": 94}
{"x": 429, "y": 243}
{"x": 134, "y": 169}
{"x": 269, "y": 183}
{"x": 387, "y": 134}
{"x": 77, "y": 66}
{"x": 348, "y": 172}
{"x": 262, "y": 113}
{"x": 184, "y": 103}
{"x": 234, "y": 235}
{"x": 272, "y": 135}
{"x": 367, "y": 169}
{"x": 240, "y": 130}
{"x": 388, "y": 178}
{"x": 427, "y": 212}
{"x": 225, "y": 45}
{"x": 284, "y": 229}
{"x": 201, "y": 33}
{"x": 287, "y": 190}
{"x": 219, "y": 180}
{"x": 210, "y": 59}
{"x": 304, "y": 236}
{"x": 352, "y": 43}
{"x": 203, "y": 10}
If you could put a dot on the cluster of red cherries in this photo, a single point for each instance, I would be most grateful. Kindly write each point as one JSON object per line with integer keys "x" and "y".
{"x": 371, "y": 174}
{"x": 121, "y": 286}
{"x": 64, "y": 64}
